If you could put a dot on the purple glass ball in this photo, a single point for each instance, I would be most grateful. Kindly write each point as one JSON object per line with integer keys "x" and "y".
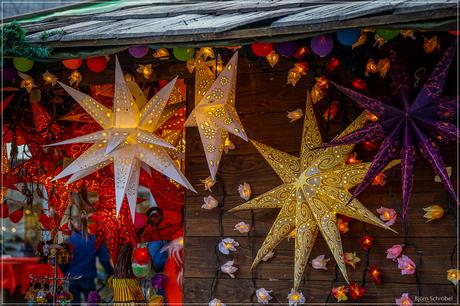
{"x": 138, "y": 51}
{"x": 159, "y": 281}
{"x": 322, "y": 45}
{"x": 94, "y": 298}
{"x": 8, "y": 73}
{"x": 287, "y": 48}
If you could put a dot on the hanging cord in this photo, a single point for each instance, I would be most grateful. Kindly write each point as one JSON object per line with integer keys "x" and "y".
{"x": 215, "y": 280}
{"x": 251, "y": 250}
{"x": 333, "y": 283}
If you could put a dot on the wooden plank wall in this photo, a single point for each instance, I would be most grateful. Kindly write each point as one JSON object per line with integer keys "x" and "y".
{"x": 263, "y": 99}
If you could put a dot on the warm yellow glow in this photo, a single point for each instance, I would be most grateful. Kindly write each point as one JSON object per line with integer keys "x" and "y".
{"x": 273, "y": 58}
{"x": 27, "y": 211}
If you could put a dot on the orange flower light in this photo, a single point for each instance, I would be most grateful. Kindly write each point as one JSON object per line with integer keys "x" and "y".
{"x": 352, "y": 158}
{"x": 431, "y": 44}
{"x": 376, "y": 275}
{"x": 356, "y": 291}
{"x": 342, "y": 225}
{"x": 366, "y": 242}
{"x": 372, "y": 117}
{"x": 340, "y": 293}
{"x": 371, "y": 67}
{"x": 379, "y": 180}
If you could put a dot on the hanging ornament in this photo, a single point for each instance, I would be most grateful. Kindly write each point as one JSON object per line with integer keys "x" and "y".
{"x": 431, "y": 44}
{"x": 215, "y": 114}
{"x": 361, "y": 40}
{"x": 387, "y": 34}
{"x": 183, "y": 54}
{"x": 210, "y": 202}
{"x": 273, "y": 58}
{"x": 191, "y": 64}
{"x": 162, "y": 54}
{"x": 72, "y": 64}
{"x": 351, "y": 259}
{"x": 301, "y": 52}
{"x": 295, "y": 115}
{"x": 228, "y": 145}
{"x": 127, "y": 140}
{"x": 332, "y": 64}
{"x": 141, "y": 262}
{"x": 433, "y": 212}
{"x": 229, "y": 268}
{"x": 75, "y": 78}
{"x": 319, "y": 90}
{"x": 22, "y": 64}
{"x": 348, "y": 37}
{"x": 96, "y": 64}
{"x": 27, "y": 82}
{"x": 397, "y": 137}
{"x": 262, "y": 49}
{"x": 145, "y": 70}
{"x": 453, "y": 275}
{"x": 408, "y": 34}
{"x": 287, "y": 48}
{"x": 376, "y": 275}
{"x": 295, "y": 297}
{"x": 371, "y": 67}
{"x": 245, "y": 191}
{"x": 356, "y": 291}
{"x": 366, "y": 242}
{"x": 49, "y": 78}
{"x": 138, "y": 51}
{"x": 242, "y": 227}
{"x": 312, "y": 190}
{"x": 295, "y": 73}
{"x": 404, "y": 300}
{"x": 207, "y": 52}
{"x": 322, "y": 45}
{"x": 263, "y": 296}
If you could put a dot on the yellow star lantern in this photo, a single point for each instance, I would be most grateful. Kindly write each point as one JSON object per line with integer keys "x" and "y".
{"x": 128, "y": 139}
{"x": 215, "y": 114}
{"x": 315, "y": 189}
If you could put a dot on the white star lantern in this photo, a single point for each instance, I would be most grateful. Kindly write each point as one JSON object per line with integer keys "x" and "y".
{"x": 215, "y": 114}
{"x": 127, "y": 140}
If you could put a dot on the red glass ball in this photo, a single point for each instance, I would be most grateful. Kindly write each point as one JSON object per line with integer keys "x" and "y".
{"x": 141, "y": 255}
{"x": 262, "y": 49}
{"x": 73, "y": 63}
{"x": 96, "y": 64}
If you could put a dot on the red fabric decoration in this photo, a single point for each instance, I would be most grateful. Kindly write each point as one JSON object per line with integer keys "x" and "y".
{"x": 172, "y": 288}
{"x": 72, "y": 64}
{"x": 17, "y": 215}
{"x": 44, "y": 221}
{"x": 5, "y": 210}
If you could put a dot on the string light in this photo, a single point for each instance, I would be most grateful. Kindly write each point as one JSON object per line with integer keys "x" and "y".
{"x": 431, "y": 44}
{"x": 145, "y": 70}
{"x": 161, "y": 53}
{"x": 207, "y": 52}
{"x": 273, "y": 58}
{"x": 295, "y": 73}
{"x": 75, "y": 78}
{"x": 49, "y": 78}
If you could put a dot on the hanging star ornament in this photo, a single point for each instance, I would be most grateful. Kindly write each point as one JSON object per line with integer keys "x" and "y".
{"x": 405, "y": 127}
{"x": 128, "y": 139}
{"x": 315, "y": 189}
{"x": 215, "y": 114}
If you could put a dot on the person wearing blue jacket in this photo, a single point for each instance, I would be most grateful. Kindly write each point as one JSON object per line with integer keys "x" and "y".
{"x": 83, "y": 264}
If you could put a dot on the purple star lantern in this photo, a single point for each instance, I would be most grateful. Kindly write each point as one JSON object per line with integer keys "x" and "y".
{"x": 404, "y": 127}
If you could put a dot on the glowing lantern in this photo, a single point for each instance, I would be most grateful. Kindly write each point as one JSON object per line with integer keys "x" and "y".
{"x": 97, "y": 63}
{"x": 73, "y": 63}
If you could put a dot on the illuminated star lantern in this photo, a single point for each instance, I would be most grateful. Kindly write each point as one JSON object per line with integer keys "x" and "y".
{"x": 315, "y": 189}
{"x": 215, "y": 114}
{"x": 127, "y": 140}
{"x": 406, "y": 126}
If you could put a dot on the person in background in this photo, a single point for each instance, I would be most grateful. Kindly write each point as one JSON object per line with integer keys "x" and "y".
{"x": 83, "y": 264}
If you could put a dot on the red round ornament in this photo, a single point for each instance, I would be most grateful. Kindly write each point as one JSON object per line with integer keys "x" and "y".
{"x": 44, "y": 221}
{"x": 262, "y": 49}
{"x": 96, "y": 64}
{"x": 73, "y": 63}
{"x": 141, "y": 255}
{"x": 17, "y": 215}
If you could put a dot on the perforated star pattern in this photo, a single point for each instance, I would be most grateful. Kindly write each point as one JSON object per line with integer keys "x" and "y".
{"x": 215, "y": 114}
{"x": 315, "y": 189}
{"x": 127, "y": 140}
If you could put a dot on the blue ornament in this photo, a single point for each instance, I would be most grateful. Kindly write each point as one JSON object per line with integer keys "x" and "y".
{"x": 348, "y": 37}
